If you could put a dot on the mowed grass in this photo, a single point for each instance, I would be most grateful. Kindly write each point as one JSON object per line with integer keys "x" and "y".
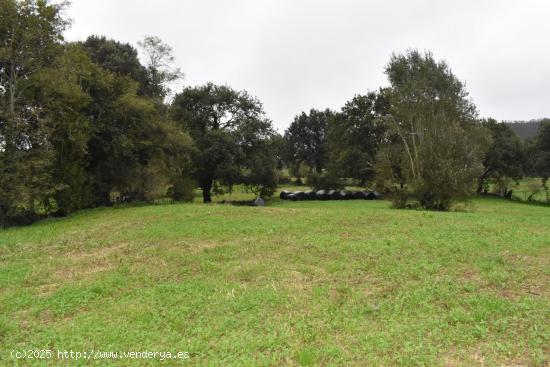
{"x": 350, "y": 283}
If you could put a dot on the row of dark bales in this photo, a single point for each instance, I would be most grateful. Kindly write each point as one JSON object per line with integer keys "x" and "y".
{"x": 330, "y": 195}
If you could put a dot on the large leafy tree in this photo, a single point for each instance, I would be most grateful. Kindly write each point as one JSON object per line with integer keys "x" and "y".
{"x": 119, "y": 58}
{"x": 104, "y": 137}
{"x": 440, "y": 143}
{"x": 30, "y": 39}
{"x": 306, "y": 140}
{"x": 505, "y": 156}
{"x": 76, "y": 123}
{"x": 541, "y": 150}
{"x": 355, "y": 135}
{"x": 231, "y": 134}
{"x": 61, "y": 92}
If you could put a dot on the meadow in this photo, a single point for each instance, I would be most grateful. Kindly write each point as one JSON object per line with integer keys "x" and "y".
{"x": 349, "y": 283}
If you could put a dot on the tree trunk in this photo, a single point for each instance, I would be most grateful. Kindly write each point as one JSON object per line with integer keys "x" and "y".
{"x": 206, "y": 195}
{"x": 479, "y": 186}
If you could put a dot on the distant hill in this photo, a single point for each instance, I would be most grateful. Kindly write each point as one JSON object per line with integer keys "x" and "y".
{"x": 525, "y": 129}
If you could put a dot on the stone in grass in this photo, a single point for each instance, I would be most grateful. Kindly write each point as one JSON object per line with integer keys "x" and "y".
{"x": 284, "y": 194}
{"x": 259, "y": 202}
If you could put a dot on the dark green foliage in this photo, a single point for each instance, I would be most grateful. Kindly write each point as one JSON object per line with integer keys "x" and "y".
{"x": 183, "y": 189}
{"x": 119, "y": 58}
{"x": 75, "y": 134}
{"x": 30, "y": 39}
{"x": 542, "y": 148}
{"x": 355, "y": 135}
{"x": 505, "y": 156}
{"x": 437, "y": 145}
{"x": 232, "y": 137}
{"x": 306, "y": 142}
{"x": 325, "y": 180}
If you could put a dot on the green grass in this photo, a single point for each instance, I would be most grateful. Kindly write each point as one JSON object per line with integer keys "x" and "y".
{"x": 349, "y": 283}
{"x": 524, "y": 188}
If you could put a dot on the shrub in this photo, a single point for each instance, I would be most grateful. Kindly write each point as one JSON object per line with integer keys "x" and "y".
{"x": 183, "y": 190}
{"x": 324, "y": 181}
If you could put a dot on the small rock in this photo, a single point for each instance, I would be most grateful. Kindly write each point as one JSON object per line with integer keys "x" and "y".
{"x": 259, "y": 202}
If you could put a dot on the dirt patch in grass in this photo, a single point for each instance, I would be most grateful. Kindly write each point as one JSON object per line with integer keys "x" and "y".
{"x": 45, "y": 290}
{"x": 298, "y": 282}
{"x": 87, "y": 263}
{"x": 83, "y": 270}
{"x": 197, "y": 246}
{"x": 97, "y": 253}
{"x": 535, "y": 279}
{"x": 471, "y": 275}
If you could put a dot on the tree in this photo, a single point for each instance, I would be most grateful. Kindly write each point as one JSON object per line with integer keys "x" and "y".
{"x": 105, "y": 137}
{"x": 542, "y": 155}
{"x": 355, "y": 135}
{"x": 30, "y": 39}
{"x": 441, "y": 144}
{"x": 231, "y": 134}
{"x": 278, "y": 146}
{"x": 133, "y": 148}
{"x": 76, "y": 121}
{"x": 306, "y": 139}
{"x": 119, "y": 58}
{"x": 505, "y": 156}
{"x": 159, "y": 61}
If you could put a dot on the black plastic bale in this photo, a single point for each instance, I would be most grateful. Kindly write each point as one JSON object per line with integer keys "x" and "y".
{"x": 292, "y": 197}
{"x": 370, "y": 195}
{"x": 333, "y": 195}
{"x": 300, "y": 195}
{"x": 322, "y": 195}
{"x": 377, "y": 195}
{"x": 311, "y": 195}
{"x": 346, "y": 195}
{"x": 358, "y": 195}
{"x": 284, "y": 194}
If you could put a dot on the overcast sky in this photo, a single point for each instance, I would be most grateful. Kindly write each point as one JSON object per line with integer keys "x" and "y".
{"x": 298, "y": 54}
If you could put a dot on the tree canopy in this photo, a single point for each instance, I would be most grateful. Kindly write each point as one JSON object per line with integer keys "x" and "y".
{"x": 438, "y": 139}
{"x": 355, "y": 135}
{"x": 232, "y": 137}
{"x": 306, "y": 139}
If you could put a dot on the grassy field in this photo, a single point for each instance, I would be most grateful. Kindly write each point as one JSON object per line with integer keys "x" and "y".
{"x": 351, "y": 283}
{"x": 525, "y": 187}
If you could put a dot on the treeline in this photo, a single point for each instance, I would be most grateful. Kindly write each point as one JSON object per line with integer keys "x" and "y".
{"x": 419, "y": 140}
{"x": 87, "y": 124}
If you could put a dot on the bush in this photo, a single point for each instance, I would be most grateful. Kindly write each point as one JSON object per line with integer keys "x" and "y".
{"x": 324, "y": 181}
{"x": 183, "y": 190}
